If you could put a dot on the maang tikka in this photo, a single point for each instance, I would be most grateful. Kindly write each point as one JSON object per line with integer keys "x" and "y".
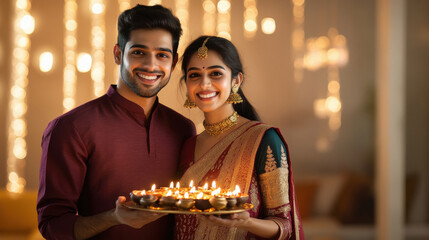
{"x": 202, "y": 51}
{"x": 234, "y": 97}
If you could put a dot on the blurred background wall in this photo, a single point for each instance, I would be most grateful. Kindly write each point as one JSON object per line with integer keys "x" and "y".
{"x": 319, "y": 49}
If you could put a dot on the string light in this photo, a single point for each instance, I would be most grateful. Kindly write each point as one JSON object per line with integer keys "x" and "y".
{"x": 268, "y": 25}
{"x": 209, "y": 17}
{"x": 17, "y": 144}
{"x": 223, "y": 27}
{"x": 46, "y": 61}
{"x": 84, "y": 62}
{"x": 98, "y": 46}
{"x": 298, "y": 39}
{"x": 331, "y": 52}
{"x": 70, "y": 42}
{"x": 250, "y": 15}
{"x": 124, "y": 5}
{"x": 154, "y": 2}
{"x": 182, "y": 13}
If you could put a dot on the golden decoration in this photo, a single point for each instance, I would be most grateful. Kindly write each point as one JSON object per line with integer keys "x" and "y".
{"x": 220, "y": 127}
{"x": 202, "y": 51}
{"x": 188, "y": 103}
{"x": 234, "y": 97}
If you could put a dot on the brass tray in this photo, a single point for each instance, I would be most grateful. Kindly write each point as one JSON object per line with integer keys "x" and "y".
{"x": 174, "y": 210}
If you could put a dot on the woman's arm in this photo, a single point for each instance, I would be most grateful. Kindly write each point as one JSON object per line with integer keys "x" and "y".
{"x": 259, "y": 227}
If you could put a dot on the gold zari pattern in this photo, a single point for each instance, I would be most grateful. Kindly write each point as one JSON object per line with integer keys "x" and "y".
{"x": 275, "y": 197}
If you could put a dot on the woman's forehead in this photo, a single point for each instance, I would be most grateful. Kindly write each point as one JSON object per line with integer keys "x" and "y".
{"x": 213, "y": 59}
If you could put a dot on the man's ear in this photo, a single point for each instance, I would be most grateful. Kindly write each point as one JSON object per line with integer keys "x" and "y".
{"x": 117, "y": 54}
{"x": 238, "y": 80}
{"x": 175, "y": 59}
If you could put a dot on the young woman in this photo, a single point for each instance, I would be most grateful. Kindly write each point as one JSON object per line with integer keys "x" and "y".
{"x": 235, "y": 149}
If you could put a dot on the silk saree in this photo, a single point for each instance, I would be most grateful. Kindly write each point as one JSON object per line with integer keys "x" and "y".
{"x": 254, "y": 157}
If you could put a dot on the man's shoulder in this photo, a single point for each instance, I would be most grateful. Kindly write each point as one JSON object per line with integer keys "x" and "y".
{"x": 83, "y": 112}
{"x": 172, "y": 114}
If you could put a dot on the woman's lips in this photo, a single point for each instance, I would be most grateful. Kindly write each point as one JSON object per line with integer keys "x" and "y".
{"x": 207, "y": 95}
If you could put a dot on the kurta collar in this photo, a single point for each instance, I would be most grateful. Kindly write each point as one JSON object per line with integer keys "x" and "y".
{"x": 134, "y": 109}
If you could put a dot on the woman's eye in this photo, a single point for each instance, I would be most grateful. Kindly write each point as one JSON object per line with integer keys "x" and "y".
{"x": 193, "y": 75}
{"x": 216, "y": 73}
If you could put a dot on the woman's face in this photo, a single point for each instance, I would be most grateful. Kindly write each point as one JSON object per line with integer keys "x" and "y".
{"x": 209, "y": 82}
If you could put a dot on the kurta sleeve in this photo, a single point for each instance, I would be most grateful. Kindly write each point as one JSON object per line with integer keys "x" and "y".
{"x": 271, "y": 165}
{"x": 62, "y": 174}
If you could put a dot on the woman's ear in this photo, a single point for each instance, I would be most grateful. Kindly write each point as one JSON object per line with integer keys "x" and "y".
{"x": 238, "y": 80}
{"x": 117, "y": 54}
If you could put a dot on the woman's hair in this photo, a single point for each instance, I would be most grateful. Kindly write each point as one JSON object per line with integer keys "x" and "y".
{"x": 231, "y": 58}
{"x": 148, "y": 17}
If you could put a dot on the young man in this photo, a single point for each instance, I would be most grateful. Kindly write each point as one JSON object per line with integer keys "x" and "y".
{"x": 122, "y": 141}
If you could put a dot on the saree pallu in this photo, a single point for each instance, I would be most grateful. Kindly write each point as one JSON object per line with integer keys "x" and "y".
{"x": 231, "y": 162}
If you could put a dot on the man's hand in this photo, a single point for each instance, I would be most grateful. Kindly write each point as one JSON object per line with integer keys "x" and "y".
{"x": 131, "y": 217}
{"x": 86, "y": 227}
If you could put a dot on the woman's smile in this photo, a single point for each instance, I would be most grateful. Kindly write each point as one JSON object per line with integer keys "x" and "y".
{"x": 207, "y": 95}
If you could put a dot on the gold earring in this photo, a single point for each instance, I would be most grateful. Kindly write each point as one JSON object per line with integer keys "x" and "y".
{"x": 188, "y": 103}
{"x": 234, "y": 97}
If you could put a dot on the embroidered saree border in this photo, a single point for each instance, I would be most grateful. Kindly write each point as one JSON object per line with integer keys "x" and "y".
{"x": 237, "y": 169}
{"x": 246, "y": 139}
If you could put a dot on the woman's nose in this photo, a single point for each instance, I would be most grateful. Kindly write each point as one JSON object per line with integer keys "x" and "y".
{"x": 205, "y": 81}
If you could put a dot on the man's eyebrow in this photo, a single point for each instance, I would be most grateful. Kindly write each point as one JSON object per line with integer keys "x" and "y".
{"x": 211, "y": 67}
{"x": 146, "y": 47}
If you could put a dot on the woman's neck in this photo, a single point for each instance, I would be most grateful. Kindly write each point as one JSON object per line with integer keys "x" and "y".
{"x": 218, "y": 115}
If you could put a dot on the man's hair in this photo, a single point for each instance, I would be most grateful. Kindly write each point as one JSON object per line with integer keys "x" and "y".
{"x": 148, "y": 17}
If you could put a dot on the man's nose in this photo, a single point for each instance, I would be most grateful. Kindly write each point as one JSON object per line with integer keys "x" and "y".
{"x": 150, "y": 62}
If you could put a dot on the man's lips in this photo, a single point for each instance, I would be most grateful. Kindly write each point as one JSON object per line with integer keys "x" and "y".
{"x": 148, "y": 77}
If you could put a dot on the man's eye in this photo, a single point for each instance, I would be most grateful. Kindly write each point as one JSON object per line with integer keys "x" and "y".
{"x": 163, "y": 55}
{"x": 137, "y": 52}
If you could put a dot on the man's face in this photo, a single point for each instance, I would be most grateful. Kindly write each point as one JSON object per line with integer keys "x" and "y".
{"x": 147, "y": 61}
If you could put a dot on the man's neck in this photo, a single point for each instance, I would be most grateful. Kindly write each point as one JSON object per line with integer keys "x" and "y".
{"x": 145, "y": 103}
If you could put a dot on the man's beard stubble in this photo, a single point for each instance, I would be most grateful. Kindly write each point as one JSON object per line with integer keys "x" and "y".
{"x": 135, "y": 87}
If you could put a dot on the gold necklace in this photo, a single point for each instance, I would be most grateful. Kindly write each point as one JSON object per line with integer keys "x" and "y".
{"x": 220, "y": 127}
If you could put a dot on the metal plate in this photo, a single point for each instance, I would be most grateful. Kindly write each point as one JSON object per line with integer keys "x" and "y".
{"x": 174, "y": 210}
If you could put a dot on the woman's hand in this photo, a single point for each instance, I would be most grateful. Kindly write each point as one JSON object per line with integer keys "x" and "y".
{"x": 261, "y": 227}
{"x": 233, "y": 220}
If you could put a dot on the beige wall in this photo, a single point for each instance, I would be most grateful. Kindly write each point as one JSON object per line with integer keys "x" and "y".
{"x": 417, "y": 98}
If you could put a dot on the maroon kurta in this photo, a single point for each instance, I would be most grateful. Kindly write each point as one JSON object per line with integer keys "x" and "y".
{"x": 103, "y": 149}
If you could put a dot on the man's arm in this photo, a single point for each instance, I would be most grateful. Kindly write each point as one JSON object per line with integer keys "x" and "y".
{"x": 86, "y": 227}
